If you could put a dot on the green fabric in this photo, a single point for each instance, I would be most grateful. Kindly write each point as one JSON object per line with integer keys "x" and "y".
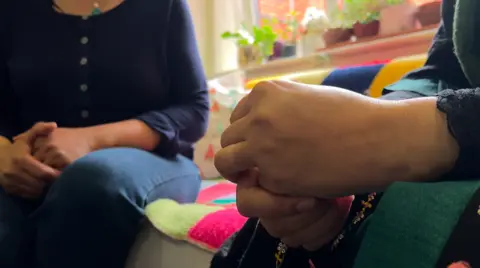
{"x": 426, "y": 87}
{"x": 465, "y": 38}
{"x": 412, "y": 223}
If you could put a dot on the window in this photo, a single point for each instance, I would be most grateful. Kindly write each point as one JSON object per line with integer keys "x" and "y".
{"x": 279, "y": 9}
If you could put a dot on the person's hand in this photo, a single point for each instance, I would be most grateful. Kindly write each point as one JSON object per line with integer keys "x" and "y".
{"x": 323, "y": 141}
{"x": 20, "y": 173}
{"x": 63, "y": 146}
{"x": 311, "y": 229}
{"x": 307, "y": 222}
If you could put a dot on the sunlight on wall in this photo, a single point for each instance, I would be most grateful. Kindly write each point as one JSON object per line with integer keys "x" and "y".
{"x": 198, "y": 8}
{"x": 211, "y": 19}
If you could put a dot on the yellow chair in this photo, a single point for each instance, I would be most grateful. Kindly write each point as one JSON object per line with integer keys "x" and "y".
{"x": 314, "y": 77}
{"x": 394, "y": 71}
{"x": 390, "y": 73}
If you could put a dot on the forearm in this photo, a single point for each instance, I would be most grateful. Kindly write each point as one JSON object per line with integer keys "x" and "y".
{"x": 130, "y": 133}
{"x": 420, "y": 140}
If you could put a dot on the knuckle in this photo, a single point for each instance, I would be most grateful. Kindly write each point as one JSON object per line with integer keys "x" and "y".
{"x": 263, "y": 86}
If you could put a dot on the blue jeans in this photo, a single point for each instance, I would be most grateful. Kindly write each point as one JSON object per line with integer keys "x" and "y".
{"x": 90, "y": 216}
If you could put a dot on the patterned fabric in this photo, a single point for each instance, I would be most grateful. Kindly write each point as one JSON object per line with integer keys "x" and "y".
{"x": 207, "y": 223}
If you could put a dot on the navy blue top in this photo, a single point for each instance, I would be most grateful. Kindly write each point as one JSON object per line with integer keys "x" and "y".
{"x": 139, "y": 60}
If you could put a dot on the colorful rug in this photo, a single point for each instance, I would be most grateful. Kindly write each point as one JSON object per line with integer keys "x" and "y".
{"x": 207, "y": 223}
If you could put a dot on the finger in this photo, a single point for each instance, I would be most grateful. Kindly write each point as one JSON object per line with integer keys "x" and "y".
{"x": 333, "y": 231}
{"x": 39, "y": 129}
{"x": 40, "y": 143}
{"x": 283, "y": 227}
{"x": 42, "y": 153}
{"x": 326, "y": 229}
{"x": 235, "y": 133}
{"x": 22, "y": 177}
{"x": 37, "y": 169}
{"x": 233, "y": 159}
{"x": 257, "y": 203}
{"x": 317, "y": 234}
{"x": 241, "y": 110}
{"x": 22, "y": 136}
{"x": 57, "y": 161}
{"x": 43, "y": 128}
{"x": 249, "y": 177}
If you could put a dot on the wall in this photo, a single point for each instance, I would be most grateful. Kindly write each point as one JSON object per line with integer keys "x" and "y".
{"x": 198, "y": 8}
{"x": 211, "y": 19}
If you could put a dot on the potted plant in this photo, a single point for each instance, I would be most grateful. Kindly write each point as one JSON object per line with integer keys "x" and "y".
{"x": 397, "y": 16}
{"x": 340, "y": 27}
{"x": 366, "y": 15}
{"x": 429, "y": 13}
{"x": 291, "y": 31}
{"x": 254, "y": 45}
{"x": 369, "y": 26}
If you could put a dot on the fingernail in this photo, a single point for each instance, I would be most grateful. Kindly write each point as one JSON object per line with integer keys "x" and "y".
{"x": 306, "y": 205}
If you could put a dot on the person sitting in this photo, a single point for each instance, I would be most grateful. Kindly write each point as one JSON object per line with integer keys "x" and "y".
{"x": 293, "y": 148}
{"x": 117, "y": 97}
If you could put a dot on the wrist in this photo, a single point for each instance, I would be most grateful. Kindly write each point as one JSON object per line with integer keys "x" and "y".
{"x": 95, "y": 139}
{"x": 421, "y": 143}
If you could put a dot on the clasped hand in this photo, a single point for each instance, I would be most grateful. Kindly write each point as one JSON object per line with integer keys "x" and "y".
{"x": 37, "y": 156}
{"x": 307, "y": 222}
{"x": 308, "y": 144}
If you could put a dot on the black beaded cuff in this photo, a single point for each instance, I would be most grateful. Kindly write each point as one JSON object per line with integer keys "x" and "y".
{"x": 462, "y": 108}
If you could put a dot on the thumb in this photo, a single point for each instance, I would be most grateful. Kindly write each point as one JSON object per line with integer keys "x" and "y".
{"x": 248, "y": 178}
{"x": 39, "y": 129}
{"x": 253, "y": 201}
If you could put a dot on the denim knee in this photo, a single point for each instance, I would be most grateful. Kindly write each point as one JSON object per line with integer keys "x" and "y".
{"x": 91, "y": 184}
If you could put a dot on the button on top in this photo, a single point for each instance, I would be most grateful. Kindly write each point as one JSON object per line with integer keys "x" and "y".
{"x": 83, "y": 61}
{"x": 85, "y": 17}
{"x": 84, "y": 114}
{"x": 83, "y": 87}
{"x": 84, "y": 40}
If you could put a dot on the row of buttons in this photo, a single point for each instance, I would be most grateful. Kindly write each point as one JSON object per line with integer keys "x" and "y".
{"x": 83, "y": 61}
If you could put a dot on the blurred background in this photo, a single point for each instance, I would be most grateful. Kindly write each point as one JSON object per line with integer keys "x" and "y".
{"x": 262, "y": 38}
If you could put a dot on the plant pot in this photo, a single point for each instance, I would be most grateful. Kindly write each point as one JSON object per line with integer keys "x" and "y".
{"x": 289, "y": 51}
{"x": 249, "y": 55}
{"x": 397, "y": 18}
{"x": 365, "y": 30}
{"x": 337, "y": 35}
{"x": 429, "y": 13}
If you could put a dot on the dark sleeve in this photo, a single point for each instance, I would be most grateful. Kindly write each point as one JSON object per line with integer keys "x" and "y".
{"x": 443, "y": 77}
{"x": 185, "y": 121}
{"x": 7, "y": 101}
{"x": 462, "y": 109}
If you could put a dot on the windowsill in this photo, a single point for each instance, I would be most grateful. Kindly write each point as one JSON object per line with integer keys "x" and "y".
{"x": 351, "y": 53}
